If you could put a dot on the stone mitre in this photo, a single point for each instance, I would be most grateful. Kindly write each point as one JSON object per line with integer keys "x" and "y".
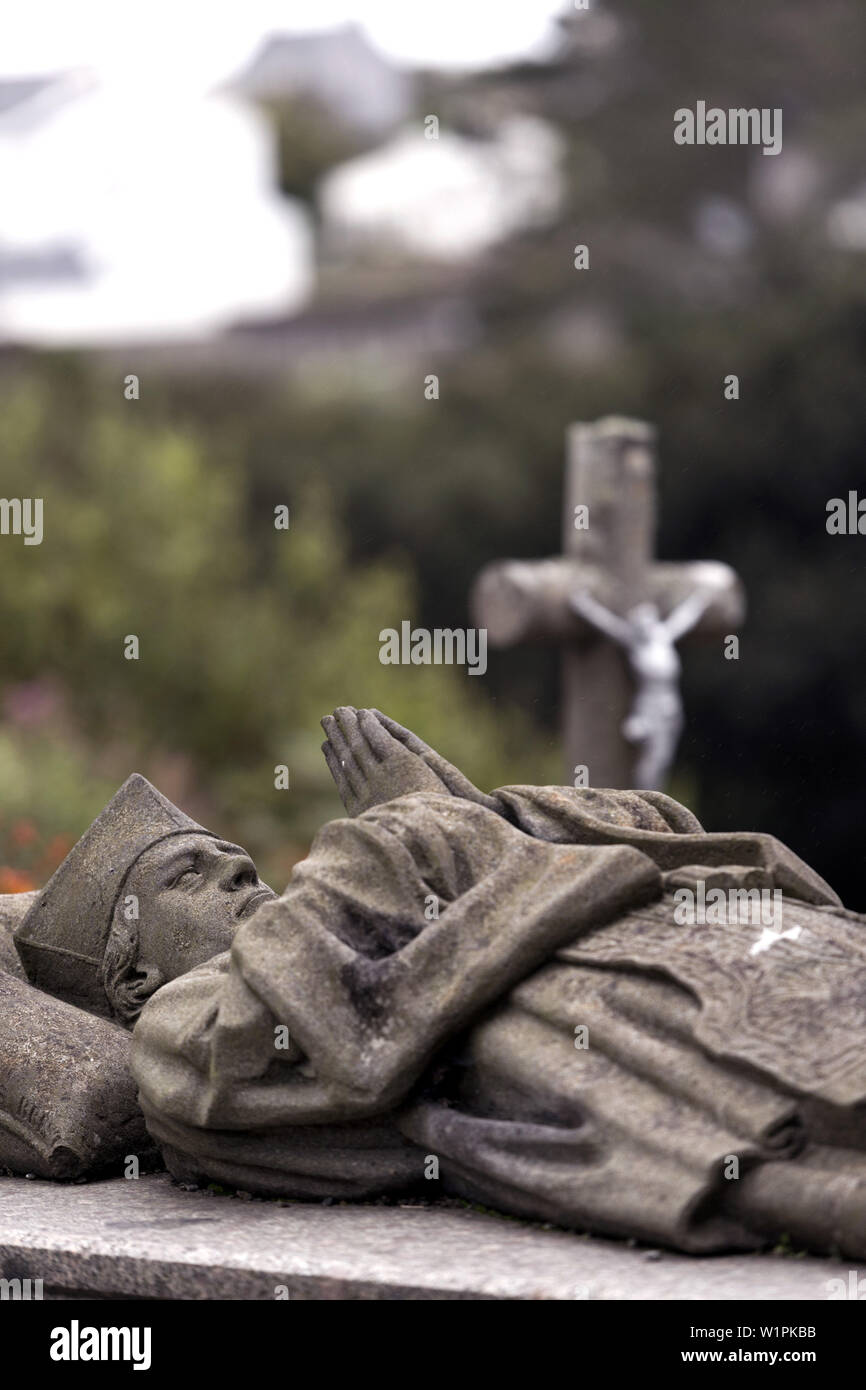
{"x": 62, "y": 939}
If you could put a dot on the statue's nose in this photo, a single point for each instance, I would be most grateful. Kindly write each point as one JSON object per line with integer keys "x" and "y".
{"x": 237, "y": 872}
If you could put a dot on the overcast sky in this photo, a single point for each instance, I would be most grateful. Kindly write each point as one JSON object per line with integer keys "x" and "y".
{"x": 206, "y": 40}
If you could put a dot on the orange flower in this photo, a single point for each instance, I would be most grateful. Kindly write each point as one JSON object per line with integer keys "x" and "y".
{"x": 15, "y": 881}
{"x": 23, "y": 833}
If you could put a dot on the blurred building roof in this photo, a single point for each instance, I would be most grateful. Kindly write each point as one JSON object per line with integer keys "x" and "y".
{"x": 18, "y": 89}
{"x": 340, "y": 68}
{"x": 26, "y": 102}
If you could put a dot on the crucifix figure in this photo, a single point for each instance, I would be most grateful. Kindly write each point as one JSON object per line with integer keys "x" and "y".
{"x": 616, "y": 612}
{"x": 655, "y": 721}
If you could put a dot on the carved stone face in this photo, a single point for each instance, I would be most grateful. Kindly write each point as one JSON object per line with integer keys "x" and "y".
{"x": 193, "y": 893}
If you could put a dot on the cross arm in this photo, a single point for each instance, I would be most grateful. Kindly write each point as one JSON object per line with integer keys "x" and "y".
{"x": 531, "y": 600}
{"x": 700, "y": 597}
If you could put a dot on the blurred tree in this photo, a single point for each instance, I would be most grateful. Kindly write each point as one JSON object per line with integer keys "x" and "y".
{"x": 247, "y": 634}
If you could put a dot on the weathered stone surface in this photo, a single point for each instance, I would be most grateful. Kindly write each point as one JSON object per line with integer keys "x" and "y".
{"x": 150, "y": 1239}
{"x": 13, "y": 909}
{"x": 67, "y": 1097}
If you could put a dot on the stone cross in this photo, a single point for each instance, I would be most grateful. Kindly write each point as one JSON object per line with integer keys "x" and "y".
{"x": 615, "y": 611}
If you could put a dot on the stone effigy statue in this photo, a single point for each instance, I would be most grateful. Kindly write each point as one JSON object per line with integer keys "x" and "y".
{"x": 503, "y": 983}
{"x": 655, "y": 720}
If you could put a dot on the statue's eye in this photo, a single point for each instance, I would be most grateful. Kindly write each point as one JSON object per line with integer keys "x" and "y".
{"x": 185, "y": 878}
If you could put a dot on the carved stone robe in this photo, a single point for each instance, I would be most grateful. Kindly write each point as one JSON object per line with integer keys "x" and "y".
{"x": 562, "y": 1046}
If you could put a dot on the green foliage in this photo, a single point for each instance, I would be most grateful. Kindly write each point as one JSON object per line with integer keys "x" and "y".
{"x": 247, "y": 634}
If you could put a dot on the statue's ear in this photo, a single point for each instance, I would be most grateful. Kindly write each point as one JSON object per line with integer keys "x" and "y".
{"x": 128, "y": 993}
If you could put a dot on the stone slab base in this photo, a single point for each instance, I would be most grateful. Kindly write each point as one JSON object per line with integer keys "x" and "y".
{"x": 149, "y": 1239}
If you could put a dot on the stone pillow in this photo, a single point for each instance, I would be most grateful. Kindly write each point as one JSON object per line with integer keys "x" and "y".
{"x": 68, "y": 1101}
{"x": 13, "y": 908}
